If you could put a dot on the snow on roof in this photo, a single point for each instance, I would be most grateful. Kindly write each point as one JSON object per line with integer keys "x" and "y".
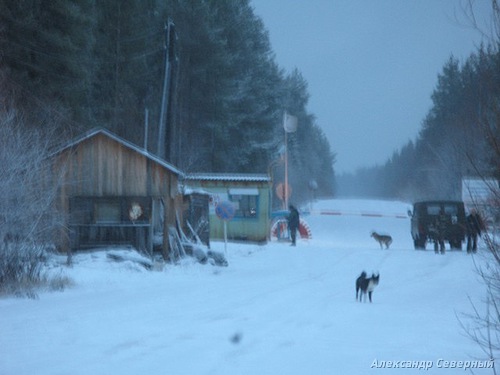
{"x": 247, "y": 177}
{"x": 478, "y": 188}
{"x": 93, "y": 132}
{"x": 188, "y": 190}
{"x": 479, "y": 191}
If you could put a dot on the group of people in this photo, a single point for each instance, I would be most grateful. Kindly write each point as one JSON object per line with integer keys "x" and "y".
{"x": 474, "y": 225}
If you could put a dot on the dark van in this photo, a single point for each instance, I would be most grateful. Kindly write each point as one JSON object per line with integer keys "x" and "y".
{"x": 424, "y": 223}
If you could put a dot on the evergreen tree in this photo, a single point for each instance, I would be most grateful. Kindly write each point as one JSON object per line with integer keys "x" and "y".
{"x": 310, "y": 158}
{"x": 129, "y": 53}
{"x": 103, "y": 64}
{"x": 47, "y": 51}
{"x": 459, "y": 135}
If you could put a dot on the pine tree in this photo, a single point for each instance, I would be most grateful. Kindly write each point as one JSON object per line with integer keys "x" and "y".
{"x": 129, "y": 54}
{"x": 48, "y": 52}
{"x": 103, "y": 63}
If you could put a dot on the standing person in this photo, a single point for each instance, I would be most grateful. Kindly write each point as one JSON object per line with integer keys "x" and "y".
{"x": 293, "y": 223}
{"x": 474, "y": 227}
{"x": 441, "y": 225}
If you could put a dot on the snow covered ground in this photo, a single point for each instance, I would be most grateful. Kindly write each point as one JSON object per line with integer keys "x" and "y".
{"x": 275, "y": 310}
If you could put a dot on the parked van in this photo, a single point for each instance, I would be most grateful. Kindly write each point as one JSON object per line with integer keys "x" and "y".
{"x": 424, "y": 223}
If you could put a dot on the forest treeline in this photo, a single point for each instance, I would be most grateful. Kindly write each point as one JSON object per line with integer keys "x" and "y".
{"x": 459, "y": 137}
{"x": 78, "y": 64}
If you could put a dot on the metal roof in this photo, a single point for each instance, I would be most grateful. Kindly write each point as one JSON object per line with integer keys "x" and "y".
{"x": 245, "y": 177}
{"x": 124, "y": 142}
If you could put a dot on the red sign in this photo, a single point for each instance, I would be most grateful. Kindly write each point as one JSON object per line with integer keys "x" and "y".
{"x": 281, "y": 192}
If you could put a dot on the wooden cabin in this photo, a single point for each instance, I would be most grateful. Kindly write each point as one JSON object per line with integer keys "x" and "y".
{"x": 113, "y": 192}
{"x": 250, "y": 196}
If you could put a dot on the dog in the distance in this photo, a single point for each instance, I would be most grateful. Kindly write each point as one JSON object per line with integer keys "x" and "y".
{"x": 366, "y": 285}
{"x": 382, "y": 239}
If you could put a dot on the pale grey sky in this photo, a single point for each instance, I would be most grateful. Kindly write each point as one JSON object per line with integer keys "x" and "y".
{"x": 371, "y": 65}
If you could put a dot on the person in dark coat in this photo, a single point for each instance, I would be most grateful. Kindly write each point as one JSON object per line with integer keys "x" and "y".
{"x": 293, "y": 223}
{"x": 441, "y": 226}
{"x": 474, "y": 227}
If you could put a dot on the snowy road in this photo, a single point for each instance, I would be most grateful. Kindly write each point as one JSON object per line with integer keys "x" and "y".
{"x": 275, "y": 309}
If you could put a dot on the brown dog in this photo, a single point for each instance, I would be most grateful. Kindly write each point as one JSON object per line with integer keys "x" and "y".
{"x": 382, "y": 239}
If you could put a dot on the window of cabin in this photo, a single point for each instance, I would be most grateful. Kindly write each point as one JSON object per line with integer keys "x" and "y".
{"x": 99, "y": 210}
{"x": 245, "y": 201}
{"x": 107, "y": 211}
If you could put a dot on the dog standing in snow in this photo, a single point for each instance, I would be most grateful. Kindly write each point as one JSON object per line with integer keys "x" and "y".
{"x": 366, "y": 285}
{"x": 382, "y": 239}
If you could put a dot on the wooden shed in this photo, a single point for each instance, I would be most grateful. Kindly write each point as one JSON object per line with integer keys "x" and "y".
{"x": 250, "y": 196}
{"x": 112, "y": 192}
{"x": 195, "y": 214}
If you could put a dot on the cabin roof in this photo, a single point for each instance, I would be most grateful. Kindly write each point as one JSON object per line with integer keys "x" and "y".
{"x": 243, "y": 177}
{"x": 96, "y": 131}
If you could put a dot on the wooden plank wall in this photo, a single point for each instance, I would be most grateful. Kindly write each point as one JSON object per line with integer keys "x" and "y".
{"x": 103, "y": 167}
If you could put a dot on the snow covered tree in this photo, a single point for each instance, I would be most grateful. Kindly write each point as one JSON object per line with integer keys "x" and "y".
{"x": 27, "y": 216}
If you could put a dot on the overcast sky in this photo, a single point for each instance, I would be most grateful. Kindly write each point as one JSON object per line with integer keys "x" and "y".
{"x": 371, "y": 65}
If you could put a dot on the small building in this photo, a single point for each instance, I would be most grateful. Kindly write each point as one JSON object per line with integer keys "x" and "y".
{"x": 482, "y": 194}
{"x": 113, "y": 192}
{"x": 250, "y": 197}
{"x": 479, "y": 191}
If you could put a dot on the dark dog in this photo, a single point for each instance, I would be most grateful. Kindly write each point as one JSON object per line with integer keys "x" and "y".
{"x": 366, "y": 285}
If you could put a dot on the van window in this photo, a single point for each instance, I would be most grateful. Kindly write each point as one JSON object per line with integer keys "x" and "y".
{"x": 433, "y": 209}
{"x": 451, "y": 210}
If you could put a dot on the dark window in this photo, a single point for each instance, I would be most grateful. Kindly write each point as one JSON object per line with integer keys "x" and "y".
{"x": 433, "y": 209}
{"x": 99, "y": 210}
{"x": 107, "y": 211}
{"x": 451, "y": 210}
{"x": 246, "y": 205}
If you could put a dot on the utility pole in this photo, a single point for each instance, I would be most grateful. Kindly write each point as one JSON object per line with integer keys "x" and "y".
{"x": 290, "y": 124}
{"x": 146, "y": 128}
{"x": 162, "y": 128}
